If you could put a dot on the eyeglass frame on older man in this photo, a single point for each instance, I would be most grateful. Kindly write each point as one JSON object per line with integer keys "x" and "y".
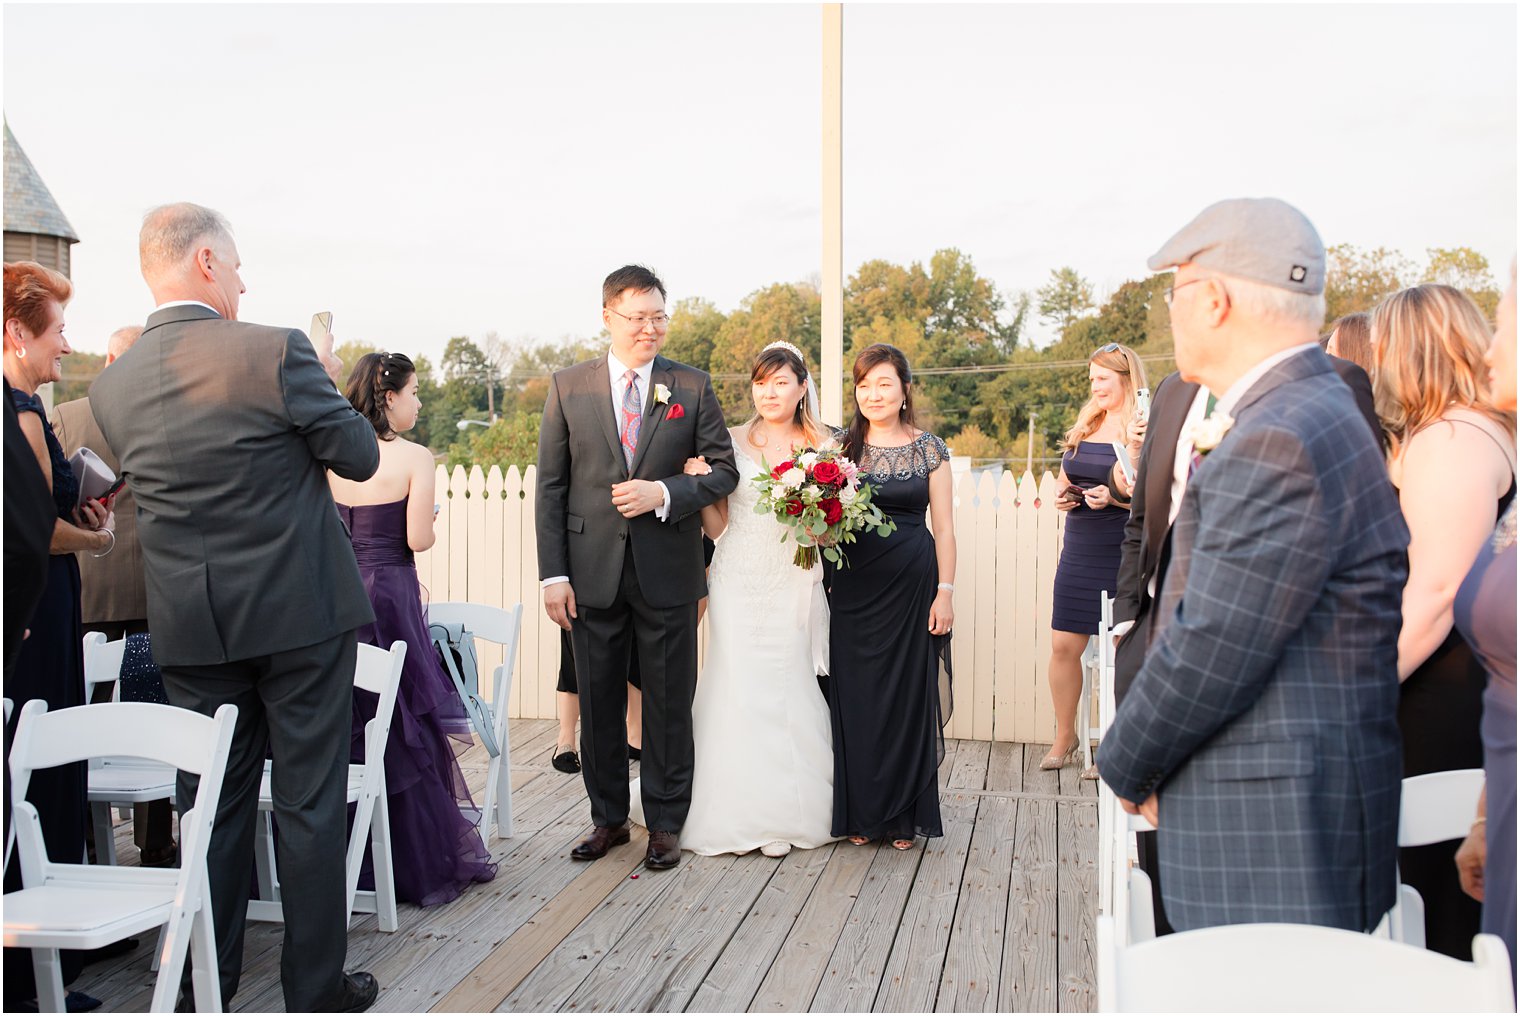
{"x": 1167, "y": 293}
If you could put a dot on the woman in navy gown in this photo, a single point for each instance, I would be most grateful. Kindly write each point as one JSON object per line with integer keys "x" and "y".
{"x": 1485, "y": 615}
{"x": 890, "y": 619}
{"x": 1095, "y": 521}
{"x": 437, "y": 848}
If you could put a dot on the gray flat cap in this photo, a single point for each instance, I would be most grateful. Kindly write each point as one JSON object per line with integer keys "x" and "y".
{"x": 1261, "y": 239}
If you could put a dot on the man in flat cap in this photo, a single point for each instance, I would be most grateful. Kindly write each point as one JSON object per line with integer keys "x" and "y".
{"x": 1259, "y": 735}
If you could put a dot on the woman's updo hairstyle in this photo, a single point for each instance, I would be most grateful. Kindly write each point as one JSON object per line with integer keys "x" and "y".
{"x": 372, "y": 377}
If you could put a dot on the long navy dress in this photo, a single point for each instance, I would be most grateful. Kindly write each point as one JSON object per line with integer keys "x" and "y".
{"x": 50, "y": 666}
{"x": 435, "y": 846}
{"x": 1485, "y": 615}
{"x": 1090, "y": 556}
{"x": 888, "y": 677}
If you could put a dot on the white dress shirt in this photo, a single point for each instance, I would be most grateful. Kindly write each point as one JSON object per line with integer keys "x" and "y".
{"x": 187, "y": 303}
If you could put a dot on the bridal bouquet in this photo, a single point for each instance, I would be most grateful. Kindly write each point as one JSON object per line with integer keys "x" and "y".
{"x": 818, "y": 497}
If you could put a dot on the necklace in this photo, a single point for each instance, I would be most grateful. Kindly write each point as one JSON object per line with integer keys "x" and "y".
{"x": 785, "y": 443}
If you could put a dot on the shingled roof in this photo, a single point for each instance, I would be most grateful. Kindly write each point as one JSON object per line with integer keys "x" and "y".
{"x": 29, "y": 206}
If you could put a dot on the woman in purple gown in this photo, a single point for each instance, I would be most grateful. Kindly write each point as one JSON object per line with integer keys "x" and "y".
{"x": 437, "y": 849}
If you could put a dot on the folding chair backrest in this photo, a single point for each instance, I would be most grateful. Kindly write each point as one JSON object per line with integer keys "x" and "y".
{"x": 1296, "y": 968}
{"x": 457, "y": 624}
{"x": 378, "y": 671}
{"x": 1438, "y": 806}
{"x": 102, "y": 662}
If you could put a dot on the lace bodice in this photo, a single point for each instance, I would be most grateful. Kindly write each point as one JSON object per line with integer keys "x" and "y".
{"x": 917, "y": 458}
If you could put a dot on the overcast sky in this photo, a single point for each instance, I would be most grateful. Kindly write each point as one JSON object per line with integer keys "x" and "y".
{"x": 432, "y": 171}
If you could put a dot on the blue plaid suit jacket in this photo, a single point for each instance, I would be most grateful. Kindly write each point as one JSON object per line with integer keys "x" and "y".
{"x": 1264, "y": 714}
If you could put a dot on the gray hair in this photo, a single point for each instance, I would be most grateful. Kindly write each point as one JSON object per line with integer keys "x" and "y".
{"x": 1275, "y": 304}
{"x": 171, "y": 233}
{"x": 121, "y": 340}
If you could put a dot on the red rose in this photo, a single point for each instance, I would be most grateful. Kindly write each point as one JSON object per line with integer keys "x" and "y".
{"x": 827, "y": 473}
{"x": 833, "y": 511}
{"x": 794, "y": 507}
{"x": 776, "y": 473}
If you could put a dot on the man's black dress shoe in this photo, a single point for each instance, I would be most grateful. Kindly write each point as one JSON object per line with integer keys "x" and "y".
{"x": 357, "y": 994}
{"x": 664, "y": 851}
{"x": 601, "y": 840}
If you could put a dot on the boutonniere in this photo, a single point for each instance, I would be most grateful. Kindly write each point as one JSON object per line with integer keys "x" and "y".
{"x": 661, "y": 395}
{"x": 1208, "y": 432}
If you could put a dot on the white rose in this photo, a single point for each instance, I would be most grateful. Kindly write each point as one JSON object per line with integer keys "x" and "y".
{"x": 807, "y": 460}
{"x": 793, "y": 478}
{"x": 1208, "y": 432}
{"x": 847, "y": 494}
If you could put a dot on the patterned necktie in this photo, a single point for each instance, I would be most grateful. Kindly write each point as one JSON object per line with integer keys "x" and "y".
{"x": 1197, "y": 460}
{"x": 633, "y": 410}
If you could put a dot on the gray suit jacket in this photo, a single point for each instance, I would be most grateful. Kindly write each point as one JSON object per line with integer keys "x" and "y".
{"x": 1265, "y": 711}
{"x": 111, "y": 587}
{"x": 225, "y": 431}
{"x": 580, "y": 533}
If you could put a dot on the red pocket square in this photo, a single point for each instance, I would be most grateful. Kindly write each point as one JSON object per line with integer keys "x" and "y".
{"x": 675, "y": 412}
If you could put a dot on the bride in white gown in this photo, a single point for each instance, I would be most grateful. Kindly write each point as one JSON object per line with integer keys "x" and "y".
{"x": 764, "y": 763}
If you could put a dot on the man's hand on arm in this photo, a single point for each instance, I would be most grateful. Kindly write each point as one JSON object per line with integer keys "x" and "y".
{"x": 633, "y": 498}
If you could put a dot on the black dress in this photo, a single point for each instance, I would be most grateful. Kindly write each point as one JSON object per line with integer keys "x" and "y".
{"x": 1440, "y": 717}
{"x": 50, "y": 666}
{"x": 889, "y": 678}
{"x": 1089, "y": 562}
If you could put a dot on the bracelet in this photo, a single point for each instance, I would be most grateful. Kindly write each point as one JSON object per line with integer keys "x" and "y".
{"x": 947, "y": 585}
{"x": 110, "y": 547}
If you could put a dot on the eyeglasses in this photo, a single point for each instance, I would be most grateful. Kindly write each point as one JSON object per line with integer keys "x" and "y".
{"x": 660, "y": 321}
{"x": 1167, "y": 294}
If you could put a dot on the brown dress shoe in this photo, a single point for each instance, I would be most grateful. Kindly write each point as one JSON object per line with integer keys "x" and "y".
{"x": 601, "y": 840}
{"x": 664, "y": 851}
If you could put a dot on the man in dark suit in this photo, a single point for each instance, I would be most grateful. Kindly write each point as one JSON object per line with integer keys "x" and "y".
{"x": 620, "y": 553}
{"x": 225, "y": 432}
{"x": 1262, "y": 715}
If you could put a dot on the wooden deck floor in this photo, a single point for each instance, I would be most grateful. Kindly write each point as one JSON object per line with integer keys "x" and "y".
{"x": 995, "y": 916}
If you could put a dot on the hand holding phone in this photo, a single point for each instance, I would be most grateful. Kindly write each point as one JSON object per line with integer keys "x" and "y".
{"x": 113, "y": 489}
{"x": 1143, "y": 403}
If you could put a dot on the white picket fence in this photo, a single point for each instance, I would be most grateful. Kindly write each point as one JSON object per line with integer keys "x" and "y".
{"x": 1008, "y": 539}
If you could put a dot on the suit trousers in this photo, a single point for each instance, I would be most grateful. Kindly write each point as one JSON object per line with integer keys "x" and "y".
{"x": 297, "y": 706}
{"x": 664, "y": 641}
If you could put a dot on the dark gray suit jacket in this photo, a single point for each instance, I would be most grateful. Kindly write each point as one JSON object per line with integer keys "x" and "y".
{"x": 1265, "y": 711}
{"x": 225, "y": 431}
{"x": 580, "y": 533}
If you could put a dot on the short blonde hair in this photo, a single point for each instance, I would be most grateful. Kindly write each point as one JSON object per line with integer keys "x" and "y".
{"x": 1428, "y": 344}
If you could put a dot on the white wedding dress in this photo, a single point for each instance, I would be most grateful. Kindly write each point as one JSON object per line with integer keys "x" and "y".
{"x": 764, "y": 760}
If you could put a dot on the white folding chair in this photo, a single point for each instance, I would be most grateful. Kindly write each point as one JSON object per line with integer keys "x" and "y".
{"x": 505, "y": 628}
{"x": 82, "y": 906}
{"x": 115, "y": 782}
{"x": 1295, "y": 968}
{"x": 1433, "y": 808}
{"x": 1097, "y": 678}
{"x": 379, "y": 671}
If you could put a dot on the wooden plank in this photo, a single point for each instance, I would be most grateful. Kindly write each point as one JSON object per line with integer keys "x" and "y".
{"x": 974, "y": 953}
{"x": 489, "y": 984}
{"x": 855, "y": 970}
{"x": 734, "y": 980}
{"x": 1007, "y": 621}
{"x": 970, "y": 771}
{"x": 1022, "y": 646}
{"x": 910, "y": 979}
{"x": 964, "y": 649}
{"x": 1076, "y": 837}
{"x": 1005, "y": 766}
{"x": 792, "y": 981}
{"x": 1050, "y": 529}
{"x": 624, "y": 915}
{"x": 947, "y": 764}
{"x": 1029, "y": 948}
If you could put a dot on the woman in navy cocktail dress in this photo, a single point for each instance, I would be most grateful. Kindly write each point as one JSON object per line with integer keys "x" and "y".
{"x": 1095, "y": 521}
{"x": 436, "y": 848}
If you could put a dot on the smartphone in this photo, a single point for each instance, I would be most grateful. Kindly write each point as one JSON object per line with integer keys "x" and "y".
{"x": 1073, "y": 492}
{"x": 121, "y": 481}
{"x": 321, "y": 328}
{"x": 1143, "y": 403}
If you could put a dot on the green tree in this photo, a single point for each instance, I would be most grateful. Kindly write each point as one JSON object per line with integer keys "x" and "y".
{"x": 1465, "y": 269}
{"x": 971, "y": 441}
{"x": 1355, "y": 279}
{"x": 790, "y": 312}
{"x": 510, "y": 441}
{"x": 1064, "y": 298}
{"x": 694, "y": 327}
{"x": 79, "y": 372}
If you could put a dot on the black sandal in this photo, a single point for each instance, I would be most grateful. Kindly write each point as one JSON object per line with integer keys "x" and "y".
{"x": 566, "y": 761}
